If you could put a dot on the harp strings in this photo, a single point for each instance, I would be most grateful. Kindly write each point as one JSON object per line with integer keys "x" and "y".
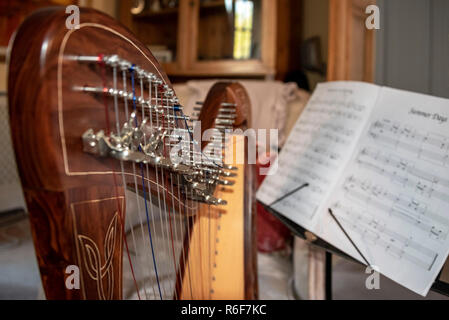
{"x": 176, "y": 254}
{"x": 184, "y": 279}
{"x": 162, "y": 215}
{"x": 167, "y": 224}
{"x": 167, "y": 216}
{"x": 147, "y": 207}
{"x": 183, "y": 263}
{"x": 131, "y": 227}
{"x": 119, "y": 207}
{"x": 149, "y": 187}
{"x": 139, "y": 254}
{"x": 196, "y": 221}
{"x": 171, "y": 211}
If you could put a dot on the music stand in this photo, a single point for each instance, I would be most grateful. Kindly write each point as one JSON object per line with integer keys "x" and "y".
{"x": 438, "y": 286}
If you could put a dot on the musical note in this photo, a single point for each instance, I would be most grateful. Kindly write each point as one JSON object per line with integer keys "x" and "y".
{"x": 382, "y": 167}
{"x": 428, "y": 146}
{"x": 379, "y": 234}
{"x": 394, "y": 193}
{"x": 317, "y": 149}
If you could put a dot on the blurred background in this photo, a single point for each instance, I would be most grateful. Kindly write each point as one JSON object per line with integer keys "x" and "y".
{"x": 280, "y": 50}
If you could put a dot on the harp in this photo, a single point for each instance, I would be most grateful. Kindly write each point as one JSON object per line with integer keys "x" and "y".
{"x": 98, "y": 131}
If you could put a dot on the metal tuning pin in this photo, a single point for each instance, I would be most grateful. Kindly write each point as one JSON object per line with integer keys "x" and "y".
{"x": 195, "y": 116}
{"x": 129, "y": 146}
{"x": 227, "y": 104}
{"x": 147, "y": 141}
{"x": 226, "y": 122}
{"x": 208, "y": 199}
{"x": 227, "y": 108}
{"x": 198, "y": 106}
{"x": 228, "y": 116}
{"x": 230, "y": 168}
{"x": 228, "y": 174}
{"x": 225, "y": 182}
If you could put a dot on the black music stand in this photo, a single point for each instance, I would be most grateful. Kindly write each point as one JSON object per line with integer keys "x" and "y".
{"x": 438, "y": 286}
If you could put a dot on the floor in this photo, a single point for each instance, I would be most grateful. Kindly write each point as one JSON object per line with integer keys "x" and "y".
{"x": 349, "y": 283}
{"x": 19, "y": 276}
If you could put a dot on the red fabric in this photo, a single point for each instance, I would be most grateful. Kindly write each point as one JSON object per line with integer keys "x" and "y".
{"x": 272, "y": 235}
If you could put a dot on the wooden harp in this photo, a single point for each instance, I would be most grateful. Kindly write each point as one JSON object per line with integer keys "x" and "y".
{"x": 95, "y": 123}
{"x": 227, "y": 233}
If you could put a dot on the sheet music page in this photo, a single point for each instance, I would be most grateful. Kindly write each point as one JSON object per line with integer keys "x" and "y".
{"x": 317, "y": 149}
{"x": 393, "y": 197}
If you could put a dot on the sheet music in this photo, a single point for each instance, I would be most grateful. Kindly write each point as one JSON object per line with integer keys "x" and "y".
{"x": 318, "y": 148}
{"x": 393, "y": 197}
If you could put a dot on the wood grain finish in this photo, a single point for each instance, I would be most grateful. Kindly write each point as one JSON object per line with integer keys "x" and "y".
{"x": 225, "y": 237}
{"x": 75, "y": 209}
{"x": 351, "y": 45}
{"x": 76, "y": 200}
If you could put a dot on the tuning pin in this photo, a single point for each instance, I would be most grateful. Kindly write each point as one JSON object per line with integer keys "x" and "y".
{"x": 217, "y": 138}
{"x": 229, "y": 167}
{"x": 221, "y": 202}
{"x": 124, "y": 65}
{"x": 140, "y": 72}
{"x": 226, "y": 110}
{"x": 83, "y": 58}
{"x": 135, "y": 69}
{"x": 215, "y": 201}
{"x": 228, "y": 174}
{"x": 168, "y": 92}
{"x": 227, "y": 104}
{"x": 198, "y": 107}
{"x": 223, "y": 127}
{"x": 150, "y": 77}
{"x": 112, "y": 61}
{"x": 227, "y": 116}
{"x": 221, "y": 121}
{"x": 225, "y": 182}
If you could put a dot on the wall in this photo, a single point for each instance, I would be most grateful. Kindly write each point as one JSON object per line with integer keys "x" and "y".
{"x": 315, "y": 23}
{"x": 413, "y": 46}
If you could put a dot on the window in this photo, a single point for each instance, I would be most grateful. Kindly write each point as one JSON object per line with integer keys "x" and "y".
{"x": 243, "y": 28}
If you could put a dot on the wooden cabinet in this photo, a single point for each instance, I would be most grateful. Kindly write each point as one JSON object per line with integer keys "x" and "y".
{"x": 351, "y": 44}
{"x": 208, "y": 38}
